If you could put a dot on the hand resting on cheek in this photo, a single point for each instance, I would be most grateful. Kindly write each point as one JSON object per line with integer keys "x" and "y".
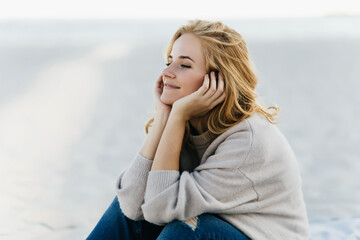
{"x": 198, "y": 103}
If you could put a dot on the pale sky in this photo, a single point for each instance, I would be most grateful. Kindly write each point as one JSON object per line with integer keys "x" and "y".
{"x": 75, "y": 9}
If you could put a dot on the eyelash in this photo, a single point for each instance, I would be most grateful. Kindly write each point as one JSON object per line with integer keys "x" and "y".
{"x": 182, "y": 65}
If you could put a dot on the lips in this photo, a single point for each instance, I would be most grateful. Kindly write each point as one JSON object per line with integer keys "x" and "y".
{"x": 170, "y": 85}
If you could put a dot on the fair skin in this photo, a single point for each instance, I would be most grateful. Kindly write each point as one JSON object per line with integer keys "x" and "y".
{"x": 186, "y": 70}
{"x": 183, "y": 92}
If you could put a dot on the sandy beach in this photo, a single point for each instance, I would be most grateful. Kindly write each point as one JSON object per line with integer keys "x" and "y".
{"x": 75, "y": 95}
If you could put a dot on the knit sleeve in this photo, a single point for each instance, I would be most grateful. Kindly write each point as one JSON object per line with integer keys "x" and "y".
{"x": 216, "y": 186}
{"x": 130, "y": 187}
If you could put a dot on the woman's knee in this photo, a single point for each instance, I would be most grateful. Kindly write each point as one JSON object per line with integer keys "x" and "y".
{"x": 192, "y": 223}
{"x": 205, "y": 225}
{"x": 114, "y": 211}
{"x": 213, "y": 225}
{"x": 177, "y": 229}
{"x": 115, "y": 225}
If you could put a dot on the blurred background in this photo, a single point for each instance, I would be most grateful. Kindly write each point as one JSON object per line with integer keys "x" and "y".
{"x": 76, "y": 81}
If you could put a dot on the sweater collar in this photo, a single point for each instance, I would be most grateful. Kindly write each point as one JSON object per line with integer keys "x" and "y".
{"x": 203, "y": 139}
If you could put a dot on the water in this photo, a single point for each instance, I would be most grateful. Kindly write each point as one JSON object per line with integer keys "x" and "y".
{"x": 74, "y": 97}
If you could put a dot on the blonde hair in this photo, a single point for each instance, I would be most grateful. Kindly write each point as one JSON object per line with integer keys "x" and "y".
{"x": 226, "y": 52}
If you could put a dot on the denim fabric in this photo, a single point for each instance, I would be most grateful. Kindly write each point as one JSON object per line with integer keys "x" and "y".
{"x": 115, "y": 225}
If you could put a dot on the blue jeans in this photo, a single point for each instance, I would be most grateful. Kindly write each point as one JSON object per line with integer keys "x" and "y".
{"x": 115, "y": 225}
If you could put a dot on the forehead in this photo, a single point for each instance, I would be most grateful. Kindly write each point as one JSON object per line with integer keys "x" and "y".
{"x": 188, "y": 45}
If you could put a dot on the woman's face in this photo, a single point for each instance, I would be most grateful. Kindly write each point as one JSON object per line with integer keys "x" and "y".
{"x": 186, "y": 69}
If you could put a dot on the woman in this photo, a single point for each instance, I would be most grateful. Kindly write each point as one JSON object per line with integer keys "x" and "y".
{"x": 214, "y": 165}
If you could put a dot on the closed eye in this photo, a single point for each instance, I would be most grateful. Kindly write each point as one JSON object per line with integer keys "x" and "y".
{"x": 182, "y": 65}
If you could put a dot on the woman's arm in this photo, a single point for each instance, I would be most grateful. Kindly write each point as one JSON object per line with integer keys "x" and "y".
{"x": 168, "y": 152}
{"x": 216, "y": 186}
{"x": 131, "y": 183}
{"x": 161, "y": 117}
{"x": 152, "y": 141}
{"x": 165, "y": 168}
{"x": 194, "y": 105}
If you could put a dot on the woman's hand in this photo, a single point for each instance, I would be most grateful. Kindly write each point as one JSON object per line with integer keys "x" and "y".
{"x": 162, "y": 112}
{"x": 203, "y": 100}
{"x": 159, "y": 105}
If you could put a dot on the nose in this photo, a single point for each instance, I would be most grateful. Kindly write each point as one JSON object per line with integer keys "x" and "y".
{"x": 168, "y": 73}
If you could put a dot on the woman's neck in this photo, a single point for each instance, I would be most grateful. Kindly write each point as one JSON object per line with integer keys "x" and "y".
{"x": 199, "y": 124}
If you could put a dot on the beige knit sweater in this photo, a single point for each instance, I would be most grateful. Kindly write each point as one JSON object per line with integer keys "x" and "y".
{"x": 247, "y": 176}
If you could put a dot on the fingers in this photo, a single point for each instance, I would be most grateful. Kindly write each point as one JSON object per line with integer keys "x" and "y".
{"x": 220, "y": 99}
{"x": 211, "y": 93}
{"x": 215, "y": 92}
{"x": 159, "y": 82}
{"x": 205, "y": 86}
{"x": 158, "y": 89}
{"x": 209, "y": 86}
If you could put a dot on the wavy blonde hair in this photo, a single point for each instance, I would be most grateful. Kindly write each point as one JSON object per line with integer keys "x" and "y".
{"x": 226, "y": 52}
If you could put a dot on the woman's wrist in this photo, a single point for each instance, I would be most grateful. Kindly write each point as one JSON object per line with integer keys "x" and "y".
{"x": 154, "y": 136}
{"x": 179, "y": 114}
{"x": 161, "y": 117}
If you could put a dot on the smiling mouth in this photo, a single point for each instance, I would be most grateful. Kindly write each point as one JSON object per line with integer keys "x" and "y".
{"x": 171, "y": 87}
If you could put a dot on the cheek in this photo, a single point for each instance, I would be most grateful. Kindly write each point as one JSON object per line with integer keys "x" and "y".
{"x": 194, "y": 82}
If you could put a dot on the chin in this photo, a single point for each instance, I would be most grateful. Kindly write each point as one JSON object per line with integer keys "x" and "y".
{"x": 166, "y": 100}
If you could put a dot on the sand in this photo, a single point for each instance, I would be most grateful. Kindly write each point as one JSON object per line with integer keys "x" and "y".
{"x": 74, "y": 97}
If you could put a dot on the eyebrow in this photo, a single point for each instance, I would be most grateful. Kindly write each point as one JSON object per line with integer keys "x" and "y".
{"x": 183, "y": 57}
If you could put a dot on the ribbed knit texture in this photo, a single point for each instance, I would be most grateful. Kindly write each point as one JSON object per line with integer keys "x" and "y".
{"x": 132, "y": 182}
{"x": 247, "y": 176}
